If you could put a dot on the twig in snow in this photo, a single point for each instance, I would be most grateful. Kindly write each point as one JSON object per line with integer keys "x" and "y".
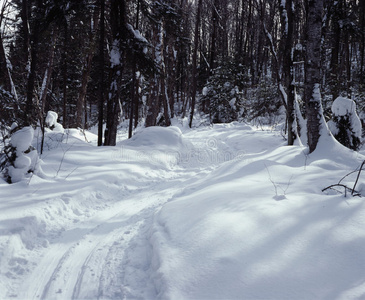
{"x": 354, "y": 193}
{"x": 63, "y": 157}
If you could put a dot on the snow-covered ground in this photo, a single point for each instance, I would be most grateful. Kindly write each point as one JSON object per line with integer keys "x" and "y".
{"x": 222, "y": 212}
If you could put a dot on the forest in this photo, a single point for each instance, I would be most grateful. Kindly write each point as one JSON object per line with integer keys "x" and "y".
{"x": 101, "y": 62}
{"x": 182, "y": 149}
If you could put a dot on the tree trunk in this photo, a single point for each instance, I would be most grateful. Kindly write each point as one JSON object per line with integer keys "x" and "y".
{"x": 362, "y": 43}
{"x": 48, "y": 74}
{"x": 163, "y": 77}
{"x": 335, "y": 51}
{"x": 195, "y": 53}
{"x": 101, "y": 67}
{"x": 30, "y": 111}
{"x": 154, "y": 99}
{"x": 313, "y": 74}
{"x": 45, "y": 84}
{"x": 213, "y": 43}
{"x": 118, "y": 22}
{"x": 64, "y": 74}
{"x": 287, "y": 17}
{"x": 4, "y": 72}
{"x": 86, "y": 71}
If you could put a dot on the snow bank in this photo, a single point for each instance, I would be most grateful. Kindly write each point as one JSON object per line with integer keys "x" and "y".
{"x": 260, "y": 228}
{"x": 160, "y": 145}
{"x": 157, "y": 137}
{"x": 111, "y": 223}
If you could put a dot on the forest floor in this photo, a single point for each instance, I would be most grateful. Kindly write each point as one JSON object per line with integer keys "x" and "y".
{"x": 220, "y": 212}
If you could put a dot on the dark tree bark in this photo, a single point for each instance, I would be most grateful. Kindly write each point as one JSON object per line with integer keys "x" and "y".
{"x": 64, "y": 73}
{"x": 101, "y": 83}
{"x": 30, "y": 111}
{"x": 4, "y": 72}
{"x": 362, "y": 42}
{"x": 118, "y": 21}
{"x": 335, "y": 49}
{"x": 154, "y": 99}
{"x": 5, "y": 79}
{"x": 287, "y": 15}
{"x": 81, "y": 101}
{"x": 213, "y": 42}
{"x": 196, "y": 44}
{"x": 313, "y": 75}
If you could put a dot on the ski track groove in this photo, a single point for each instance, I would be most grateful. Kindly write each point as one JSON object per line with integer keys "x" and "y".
{"x": 64, "y": 271}
{"x": 104, "y": 242}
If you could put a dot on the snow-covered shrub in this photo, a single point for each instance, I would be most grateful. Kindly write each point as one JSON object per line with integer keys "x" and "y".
{"x": 54, "y": 132}
{"x": 223, "y": 93}
{"x": 345, "y": 124}
{"x": 19, "y": 157}
{"x": 51, "y": 122}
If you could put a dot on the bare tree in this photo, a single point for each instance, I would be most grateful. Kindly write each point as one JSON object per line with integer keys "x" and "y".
{"x": 313, "y": 73}
{"x": 196, "y": 44}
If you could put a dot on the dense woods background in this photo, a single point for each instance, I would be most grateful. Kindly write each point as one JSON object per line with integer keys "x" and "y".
{"x": 147, "y": 61}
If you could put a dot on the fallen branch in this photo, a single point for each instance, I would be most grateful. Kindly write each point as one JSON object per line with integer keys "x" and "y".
{"x": 346, "y": 188}
{"x": 354, "y": 193}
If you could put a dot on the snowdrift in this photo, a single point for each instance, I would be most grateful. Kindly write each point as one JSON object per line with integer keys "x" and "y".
{"x": 221, "y": 212}
{"x": 260, "y": 228}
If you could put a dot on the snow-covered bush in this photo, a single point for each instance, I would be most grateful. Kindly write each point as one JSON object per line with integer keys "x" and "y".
{"x": 54, "y": 132}
{"x": 19, "y": 157}
{"x": 51, "y": 122}
{"x": 345, "y": 124}
{"x": 223, "y": 93}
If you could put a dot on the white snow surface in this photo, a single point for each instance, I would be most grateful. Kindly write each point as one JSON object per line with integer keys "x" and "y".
{"x": 51, "y": 121}
{"x": 220, "y": 212}
{"x": 26, "y": 157}
{"x": 344, "y": 106}
{"x": 22, "y": 138}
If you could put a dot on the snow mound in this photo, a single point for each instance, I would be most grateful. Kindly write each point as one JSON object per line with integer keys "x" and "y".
{"x": 343, "y": 106}
{"x": 228, "y": 235}
{"x": 51, "y": 122}
{"x": 157, "y": 138}
{"x": 22, "y": 139}
{"x": 51, "y": 118}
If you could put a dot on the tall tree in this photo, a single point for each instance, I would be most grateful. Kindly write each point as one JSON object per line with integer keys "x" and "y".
{"x": 101, "y": 66}
{"x": 195, "y": 53}
{"x": 87, "y": 67}
{"x": 287, "y": 17}
{"x": 118, "y": 23}
{"x": 313, "y": 72}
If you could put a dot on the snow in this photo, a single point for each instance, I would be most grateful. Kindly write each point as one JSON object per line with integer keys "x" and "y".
{"x": 115, "y": 54}
{"x": 51, "y": 122}
{"x": 343, "y": 106}
{"x": 137, "y": 34}
{"x": 27, "y": 160}
{"x": 346, "y": 107}
{"x": 218, "y": 212}
{"x": 51, "y": 119}
{"x": 205, "y": 91}
{"x": 22, "y": 139}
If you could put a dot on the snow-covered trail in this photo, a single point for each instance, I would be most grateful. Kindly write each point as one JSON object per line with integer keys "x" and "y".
{"x": 218, "y": 212}
{"x": 90, "y": 259}
{"x": 89, "y": 226}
